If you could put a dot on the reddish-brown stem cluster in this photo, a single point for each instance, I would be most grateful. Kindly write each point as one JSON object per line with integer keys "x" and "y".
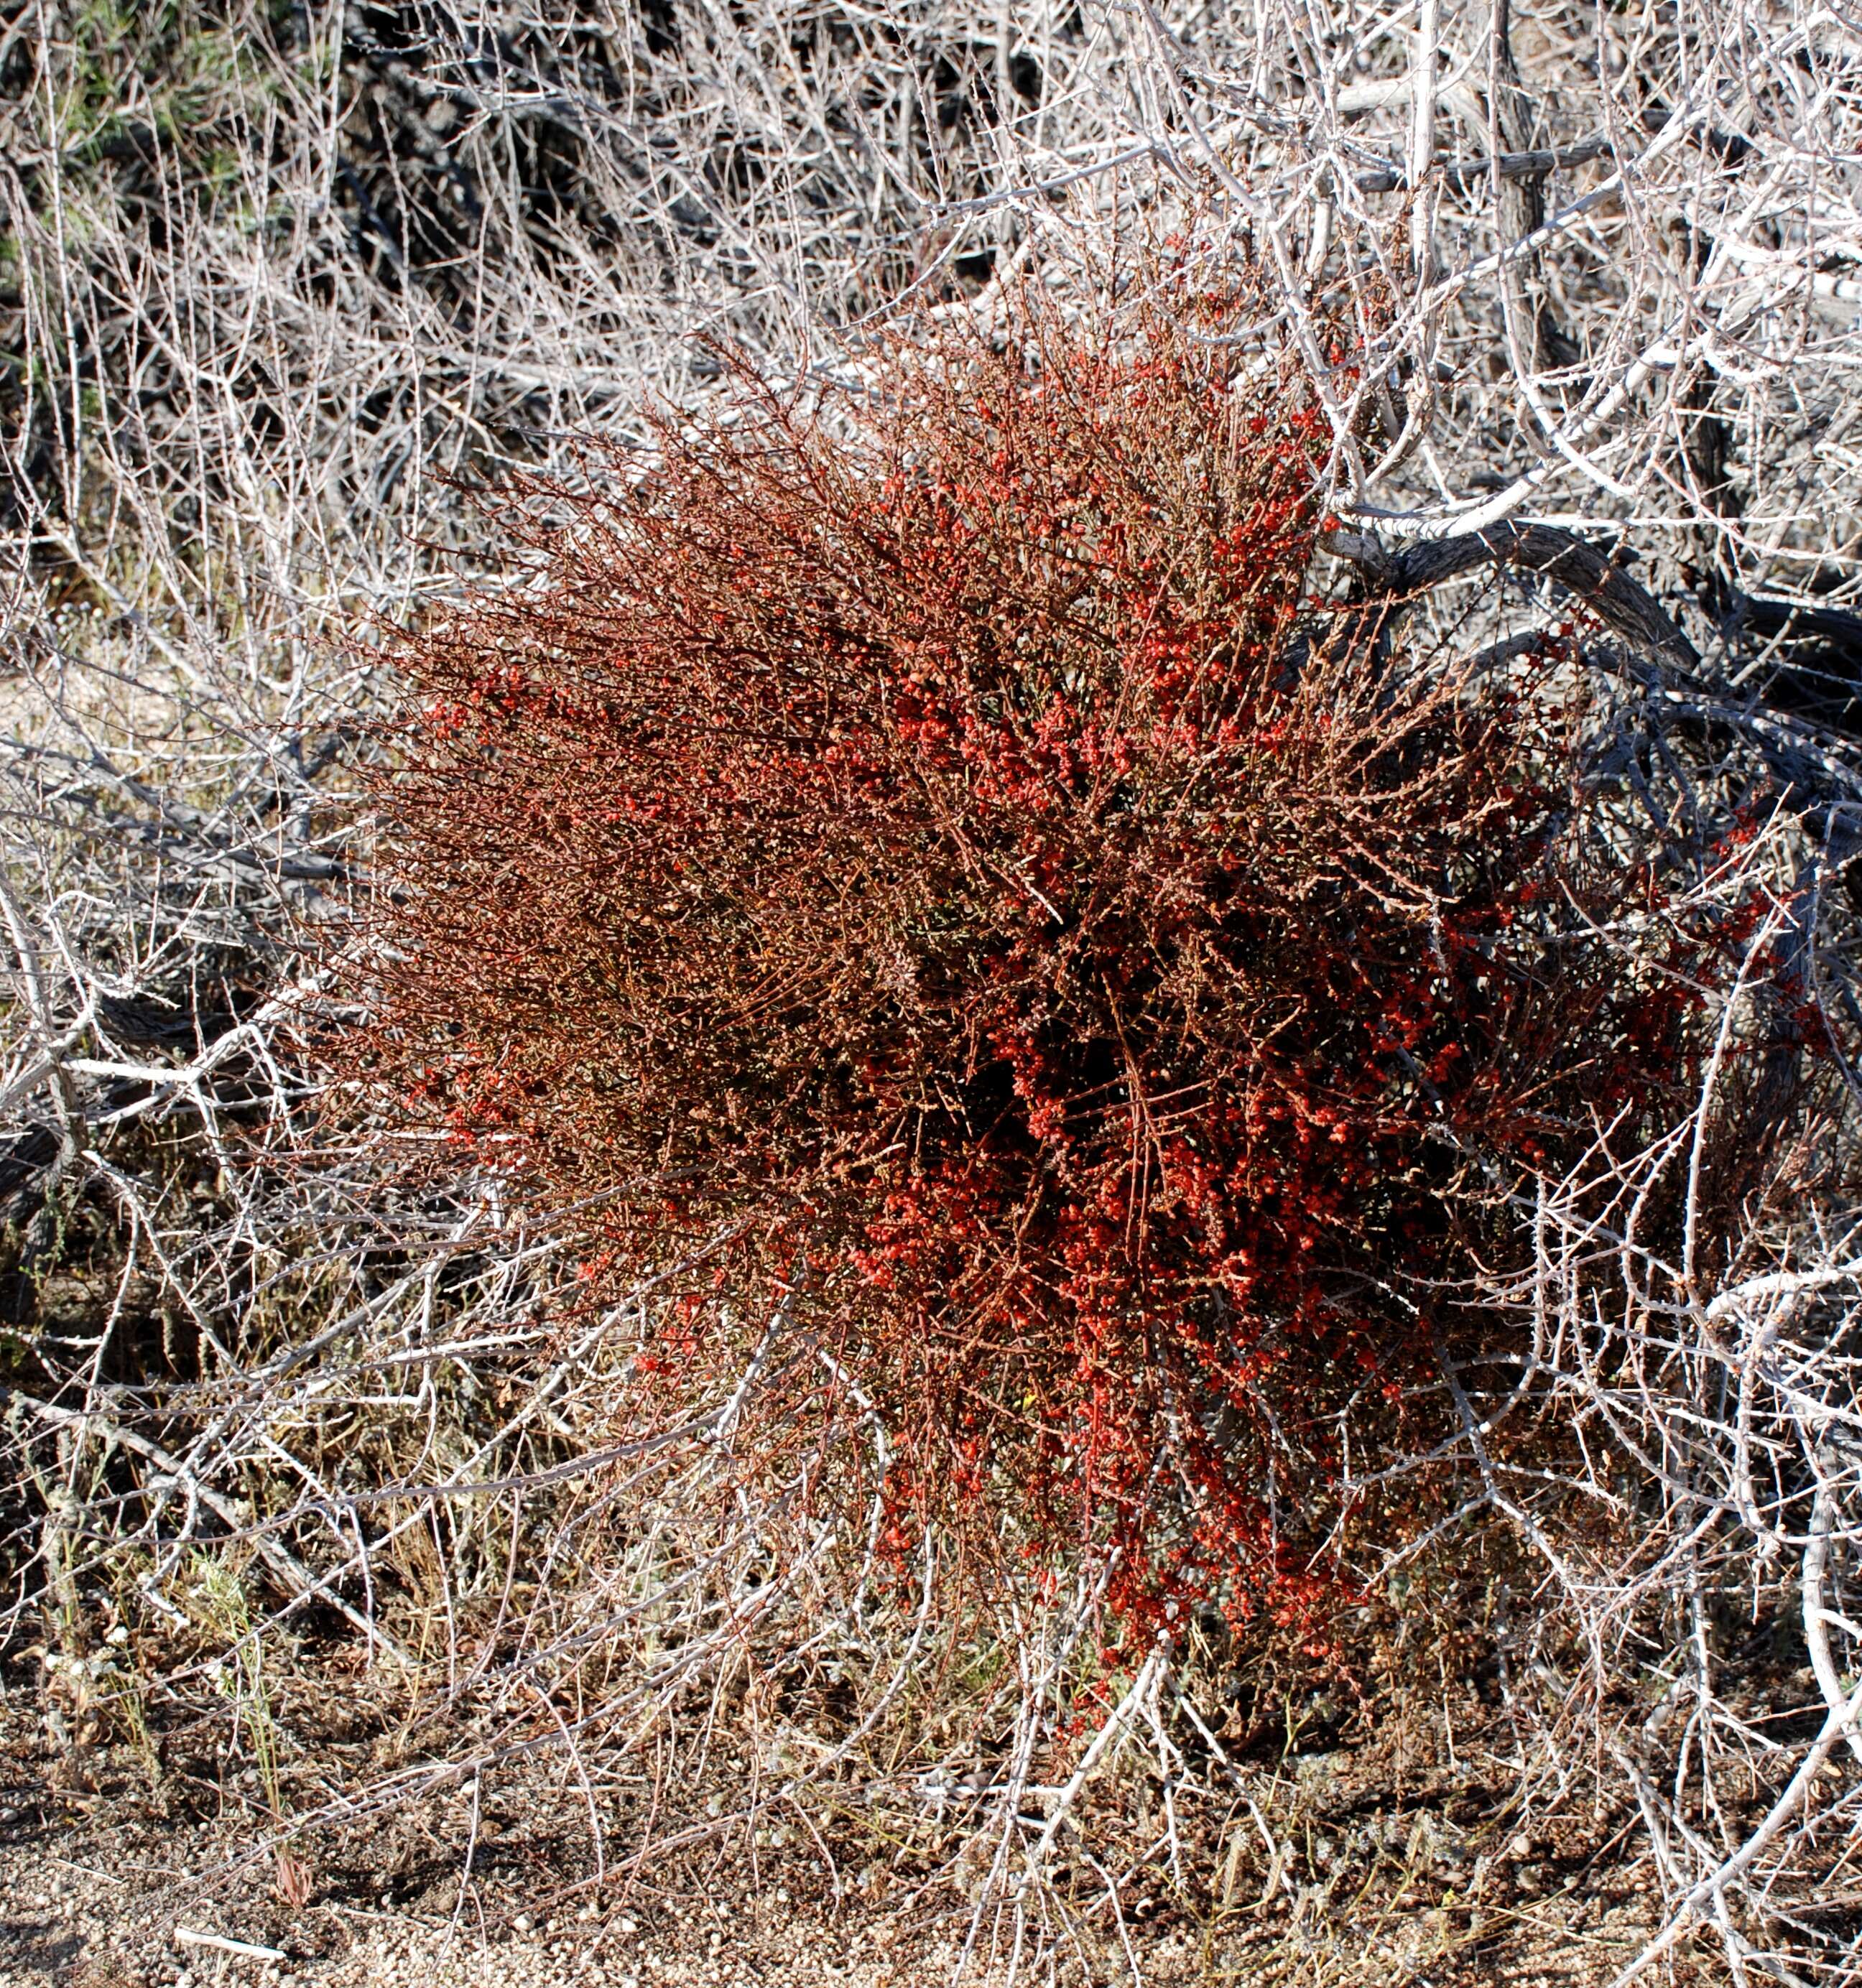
{"x": 929, "y": 865}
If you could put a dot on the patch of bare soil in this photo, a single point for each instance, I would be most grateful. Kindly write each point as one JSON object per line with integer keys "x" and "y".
{"x": 1389, "y": 1864}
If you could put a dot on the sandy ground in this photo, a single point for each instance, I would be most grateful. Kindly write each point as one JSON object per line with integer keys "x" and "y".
{"x": 108, "y": 1881}
{"x": 67, "y": 1920}
{"x": 81, "y": 1928}
{"x": 99, "y": 1888}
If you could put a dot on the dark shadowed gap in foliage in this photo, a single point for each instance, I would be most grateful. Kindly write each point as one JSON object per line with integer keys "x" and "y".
{"x": 889, "y": 881}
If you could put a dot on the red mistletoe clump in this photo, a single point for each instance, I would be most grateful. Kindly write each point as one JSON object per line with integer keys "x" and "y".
{"x": 921, "y": 870}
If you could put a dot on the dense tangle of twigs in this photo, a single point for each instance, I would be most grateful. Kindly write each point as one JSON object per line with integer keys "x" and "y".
{"x": 273, "y": 286}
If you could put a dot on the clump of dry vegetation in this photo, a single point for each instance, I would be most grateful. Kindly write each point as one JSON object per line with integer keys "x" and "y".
{"x": 1377, "y": 660}
{"x": 934, "y": 896}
